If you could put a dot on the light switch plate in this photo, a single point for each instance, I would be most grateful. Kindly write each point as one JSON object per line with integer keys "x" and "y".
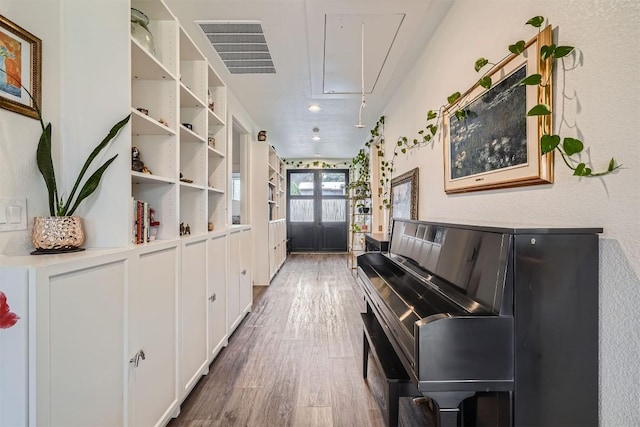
{"x": 13, "y": 214}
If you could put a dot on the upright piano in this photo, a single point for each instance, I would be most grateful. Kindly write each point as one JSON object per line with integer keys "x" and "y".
{"x": 504, "y": 318}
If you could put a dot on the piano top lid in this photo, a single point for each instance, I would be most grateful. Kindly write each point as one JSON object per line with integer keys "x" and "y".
{"x": 511, "y": 229}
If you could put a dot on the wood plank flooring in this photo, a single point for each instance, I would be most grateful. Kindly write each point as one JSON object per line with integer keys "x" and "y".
{"x": 296, "y": 358}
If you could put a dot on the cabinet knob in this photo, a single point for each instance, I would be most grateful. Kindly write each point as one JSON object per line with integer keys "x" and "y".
{"x": 244, "y": 272}
{"x": 212, "y": 298}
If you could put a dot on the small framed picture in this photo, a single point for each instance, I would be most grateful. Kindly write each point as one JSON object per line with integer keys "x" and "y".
{"x": 20, "y": 69}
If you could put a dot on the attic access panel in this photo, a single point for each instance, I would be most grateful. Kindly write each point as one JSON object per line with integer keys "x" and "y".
{"x": 241, "y": 45}
{"x": 343, "y": 50}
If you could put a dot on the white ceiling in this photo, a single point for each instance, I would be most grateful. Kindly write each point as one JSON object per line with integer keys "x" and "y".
{"x": 316, "y": 49}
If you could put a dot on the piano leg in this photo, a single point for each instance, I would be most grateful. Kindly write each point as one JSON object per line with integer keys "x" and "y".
{"x": 365, "y": 355}
{"x": 449, "y": 406}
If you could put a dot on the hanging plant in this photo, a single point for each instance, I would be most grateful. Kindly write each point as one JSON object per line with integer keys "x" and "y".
{"x": 301, "y": 164}
{"x": 569, "y": 148}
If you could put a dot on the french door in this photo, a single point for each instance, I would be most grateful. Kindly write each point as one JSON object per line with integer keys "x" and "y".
{"x": 317, "y": 219}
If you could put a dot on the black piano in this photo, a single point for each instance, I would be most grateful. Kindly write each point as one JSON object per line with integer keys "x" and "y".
{"x": 498, "y": 326}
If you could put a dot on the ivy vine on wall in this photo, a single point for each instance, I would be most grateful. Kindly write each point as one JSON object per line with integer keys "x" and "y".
{"x": 569, "y": 148}
{"x": 298, "y": 164}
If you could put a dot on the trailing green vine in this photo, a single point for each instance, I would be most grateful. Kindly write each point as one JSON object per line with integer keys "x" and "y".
{"x": 297, "y": 164}
{"x": 567, "y": 147}
{"x": 548, "y": 142}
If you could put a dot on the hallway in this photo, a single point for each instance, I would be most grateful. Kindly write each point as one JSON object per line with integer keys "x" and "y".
{"x": 295, "y": 360}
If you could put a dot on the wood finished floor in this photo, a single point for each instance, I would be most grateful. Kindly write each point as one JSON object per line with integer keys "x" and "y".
{"x": 296, "y": 358}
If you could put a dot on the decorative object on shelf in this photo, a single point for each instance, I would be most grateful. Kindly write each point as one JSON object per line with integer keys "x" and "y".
{"x": 262, "y": 135}
{"x": 20, "y": 65}
{"x": 210, "y": 101}
{"x": 140, "y": 30}
{"x": 183, "y": 179}
{"x": 143, "y": 111}
{"x": 184, "y": 229}
{"x": 404, "y": 195}
{"x": 137, "y": 165}
{"x": 163, "y": 121}
{"x": 57, "y": 234}
{"x": 188, "y": 126}
{"x": 210, "y": 226}
{"x": 7, "y": 318}
{"x": 211, "y": 141}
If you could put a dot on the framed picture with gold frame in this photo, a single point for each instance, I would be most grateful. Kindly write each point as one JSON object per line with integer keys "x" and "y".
{"x": 404, "y": 196}
{"x": 496, "y": 145}
{"x": 20, "y": 68}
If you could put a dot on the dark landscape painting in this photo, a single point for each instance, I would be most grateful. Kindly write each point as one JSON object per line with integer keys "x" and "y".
{"x": 494, "y": 134}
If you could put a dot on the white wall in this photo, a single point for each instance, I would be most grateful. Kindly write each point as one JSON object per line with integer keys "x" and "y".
{"x": 84, "y": 66}
{"x": 602, "y": 108}
{"x": 19, "y": 135}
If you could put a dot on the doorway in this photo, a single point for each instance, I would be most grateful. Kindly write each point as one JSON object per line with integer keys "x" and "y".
{"x": 317, "y": 207}
{"x": 239, "y": 173}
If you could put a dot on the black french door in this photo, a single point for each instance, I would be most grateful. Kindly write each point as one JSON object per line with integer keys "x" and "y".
{"x": 317, "y": 209}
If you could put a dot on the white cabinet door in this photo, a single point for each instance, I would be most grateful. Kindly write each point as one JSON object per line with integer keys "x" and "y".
{"x": 233, "y": 283}
{"x": 80, "y": 347}
{"x": 217, "y": 295}
{"x": 193, "y": 313}
{"x": 246, "y": 281}
{"x": 154, "y": 392}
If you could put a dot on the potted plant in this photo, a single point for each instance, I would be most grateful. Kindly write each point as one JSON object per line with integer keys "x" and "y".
{"x": 62, "y": 231}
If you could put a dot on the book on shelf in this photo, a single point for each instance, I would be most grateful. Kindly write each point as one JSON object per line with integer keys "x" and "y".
{"x": 144, "y": 226}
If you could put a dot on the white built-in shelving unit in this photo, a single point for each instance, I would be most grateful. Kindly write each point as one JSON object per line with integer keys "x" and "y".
{"x": 183, "y": 139}
{"x": 276, "y": 187}
{"x": 122, "y": 335}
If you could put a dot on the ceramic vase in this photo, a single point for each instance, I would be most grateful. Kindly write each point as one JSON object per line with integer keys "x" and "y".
{"x": 57, "y": 233}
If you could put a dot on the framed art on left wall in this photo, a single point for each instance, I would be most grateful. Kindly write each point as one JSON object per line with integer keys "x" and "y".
{"x": 20, "y": 69}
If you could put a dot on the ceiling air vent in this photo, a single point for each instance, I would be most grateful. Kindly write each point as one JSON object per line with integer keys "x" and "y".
{"x": 241, "y": 46}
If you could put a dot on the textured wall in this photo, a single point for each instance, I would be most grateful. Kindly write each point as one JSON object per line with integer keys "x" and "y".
{"x": 601, "y": 93}
{"x": 19, "y": 135}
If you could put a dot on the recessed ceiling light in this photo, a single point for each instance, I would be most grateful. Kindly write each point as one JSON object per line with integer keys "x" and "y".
{"x": 314, "y": 107}
{"x": 316, "y": 138}
{"x": 317, "y": 155}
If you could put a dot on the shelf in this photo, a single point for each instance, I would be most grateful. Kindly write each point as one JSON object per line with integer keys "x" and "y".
{"x": 271, "y": 202}
{"x": 145, "y": 178}
{"x": 187, "y": 135}
{"x": 214, "y": 119}
{"x": 145, "y": 66}
{"x": 188, "y": 99}
{"x": 141, "y": 124}
{"x": 155, "y": 10}
{"x": 191, "y": 186}
{"x": 188, "y": 49}
{"x": 271, "y": 184}
{"x": 214, "y": 152}
{"x": 215, "y": 190}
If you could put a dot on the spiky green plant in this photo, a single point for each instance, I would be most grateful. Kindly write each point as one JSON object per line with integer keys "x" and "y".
{"x": 57, "y": 205}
